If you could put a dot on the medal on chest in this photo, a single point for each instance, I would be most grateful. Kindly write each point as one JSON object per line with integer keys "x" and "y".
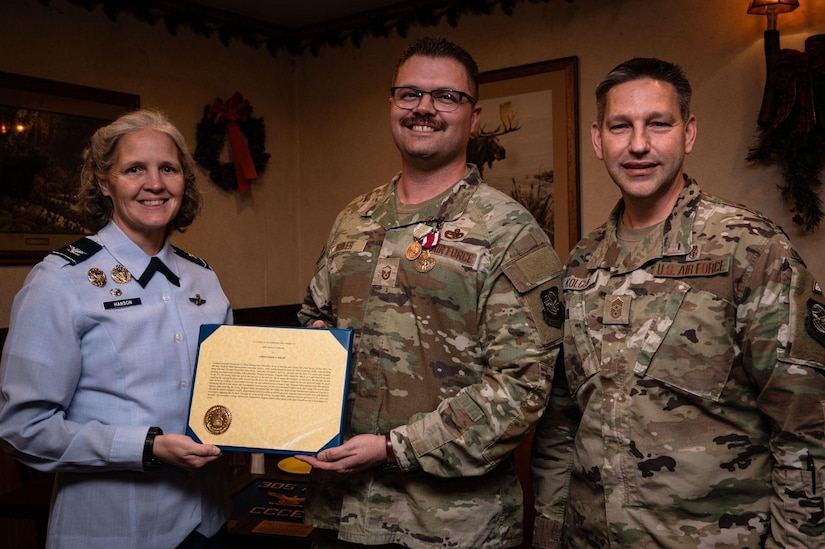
{"x": 425, "y": 238}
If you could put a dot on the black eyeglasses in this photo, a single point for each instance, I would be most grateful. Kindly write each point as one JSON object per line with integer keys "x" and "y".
{"x": 444, "y": 100}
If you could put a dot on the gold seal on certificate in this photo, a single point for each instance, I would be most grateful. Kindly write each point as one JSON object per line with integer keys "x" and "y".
{"x": 217, "y": 419}
{"x": 259, "y": 379}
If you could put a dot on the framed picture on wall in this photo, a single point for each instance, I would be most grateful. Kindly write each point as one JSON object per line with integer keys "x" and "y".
{"x": 527, "y": 142}
{"x": 44, "y": 127}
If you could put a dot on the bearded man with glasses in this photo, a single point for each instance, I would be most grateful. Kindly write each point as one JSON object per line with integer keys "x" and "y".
{"x": 452, "y": 291}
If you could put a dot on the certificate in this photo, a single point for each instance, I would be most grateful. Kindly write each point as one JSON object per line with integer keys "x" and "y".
{"x": 270, "y": 389}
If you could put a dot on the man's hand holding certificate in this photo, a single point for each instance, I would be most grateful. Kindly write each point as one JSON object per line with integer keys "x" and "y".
{"x": 268, "y": 389}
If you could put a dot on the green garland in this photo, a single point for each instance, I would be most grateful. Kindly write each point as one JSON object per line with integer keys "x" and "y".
{"x": 380, "y": 22}
{"x": 211, "y": 137}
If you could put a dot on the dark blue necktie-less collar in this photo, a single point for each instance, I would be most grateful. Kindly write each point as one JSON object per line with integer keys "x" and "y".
{"x": 156, "y": 264}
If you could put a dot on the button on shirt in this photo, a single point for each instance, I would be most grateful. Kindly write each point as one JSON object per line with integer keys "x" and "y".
{"x": 86, "y": 370}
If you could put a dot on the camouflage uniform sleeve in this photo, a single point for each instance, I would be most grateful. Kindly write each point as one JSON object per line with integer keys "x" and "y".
{"x": 317, "y": 304}
{"x": 552, "y": 461}
{"x": 520, "y": 335}
{"x": 781, "y": 318}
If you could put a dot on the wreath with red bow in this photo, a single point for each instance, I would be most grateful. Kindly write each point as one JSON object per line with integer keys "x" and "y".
{"x": 792, "y": 128}
{"x": 231, "y": 120}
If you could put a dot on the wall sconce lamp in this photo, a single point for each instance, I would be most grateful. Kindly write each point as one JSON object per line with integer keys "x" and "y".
{"x": 772, "y": 8}
{"x": 792, "y": 116}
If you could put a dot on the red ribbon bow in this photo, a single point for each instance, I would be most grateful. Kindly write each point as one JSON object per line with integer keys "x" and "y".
{"x": 236, "y": 108}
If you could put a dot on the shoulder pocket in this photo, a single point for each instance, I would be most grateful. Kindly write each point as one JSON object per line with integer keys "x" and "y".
{"x": 806, "y": 319}
{"x": 536, "y": 276}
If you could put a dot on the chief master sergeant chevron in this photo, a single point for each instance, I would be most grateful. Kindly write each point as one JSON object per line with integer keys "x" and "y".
{"x": 452, "y": 290}
{"x": 694, "y": 351}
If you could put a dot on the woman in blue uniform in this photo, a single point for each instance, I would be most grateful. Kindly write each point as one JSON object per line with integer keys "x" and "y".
{"x": 96, "y": 370}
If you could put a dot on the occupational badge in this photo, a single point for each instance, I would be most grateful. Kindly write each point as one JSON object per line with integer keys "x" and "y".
{"x": 120, "y": 274}
{"x": 197, "y": 300}
{"x": 96, "y": 277}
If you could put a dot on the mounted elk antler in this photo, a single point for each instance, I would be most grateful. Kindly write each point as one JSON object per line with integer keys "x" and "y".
{"x": 483, "y": 147}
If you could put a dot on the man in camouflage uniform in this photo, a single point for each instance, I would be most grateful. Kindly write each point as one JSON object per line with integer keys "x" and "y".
{"x": 694, "y": 345}
{"x": 453, "y": 293}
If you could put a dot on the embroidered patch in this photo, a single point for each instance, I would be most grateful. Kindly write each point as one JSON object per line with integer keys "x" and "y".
{"x": 454, "y": 234}
{"x": 552, "y": 309}
{"x": 815, "y": 321}
{"x": 576, "y": 283}
{"x": 350, "y": 246}
{"x": 464, "y": 257}
{"x": 121, "y": 303}
{"x": 617, "y": 309}
{"x": 694, "y": 253}
{"x": 706, "y": 267}
{"x": 386, "y": 272}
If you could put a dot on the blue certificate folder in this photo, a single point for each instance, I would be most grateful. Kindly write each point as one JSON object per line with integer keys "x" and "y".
{"x": 280, "y": 390}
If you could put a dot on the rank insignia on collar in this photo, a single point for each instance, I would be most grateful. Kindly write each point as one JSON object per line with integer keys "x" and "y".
{"x": 197, "y": 300}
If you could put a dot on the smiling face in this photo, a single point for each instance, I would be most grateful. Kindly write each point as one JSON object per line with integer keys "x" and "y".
{"x": 643, "y": 141}
{"x": 425, "y": 137}
{"x": 146, "y": 186}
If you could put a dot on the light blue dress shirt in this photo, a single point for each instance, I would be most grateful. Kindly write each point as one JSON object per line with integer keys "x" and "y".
{"x": 85, "y": 372}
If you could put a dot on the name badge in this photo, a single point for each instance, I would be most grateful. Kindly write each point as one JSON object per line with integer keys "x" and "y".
{"x": 575, "y": 283}
{"x": 121, "y": 303}
{"x": 349, "y": 246}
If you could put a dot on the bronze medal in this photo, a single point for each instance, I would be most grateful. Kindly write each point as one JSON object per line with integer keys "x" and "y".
{"x": 120, "y": 274}
{"x": 413, "y": 250}
{"x": 96, "y": 277}
{"x": 425, "y": 262}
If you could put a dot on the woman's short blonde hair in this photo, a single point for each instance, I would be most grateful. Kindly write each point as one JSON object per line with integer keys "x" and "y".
{"x": 94, "y": 207}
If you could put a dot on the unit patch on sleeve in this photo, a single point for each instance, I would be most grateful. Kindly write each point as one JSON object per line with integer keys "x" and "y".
{"x": 815, "y": 321}
{"x": 552, "y": 309}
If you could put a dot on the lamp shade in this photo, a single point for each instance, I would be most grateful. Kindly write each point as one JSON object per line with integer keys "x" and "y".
{"x": 764, "y": 7}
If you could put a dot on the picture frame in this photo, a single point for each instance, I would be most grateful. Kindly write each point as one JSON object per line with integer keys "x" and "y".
{"x": 44, "y": 127}
{"x": 530, "y": 142}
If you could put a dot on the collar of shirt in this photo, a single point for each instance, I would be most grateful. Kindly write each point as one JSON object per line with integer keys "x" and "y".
{"x": 677, "y": 237}
{"x": 130, "y": 255}
{"x": 380, "y": 206}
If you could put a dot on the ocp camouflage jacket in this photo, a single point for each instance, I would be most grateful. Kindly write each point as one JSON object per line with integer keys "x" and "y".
{"x": 696, "y": 403}
{"x": 456, "y": 362}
